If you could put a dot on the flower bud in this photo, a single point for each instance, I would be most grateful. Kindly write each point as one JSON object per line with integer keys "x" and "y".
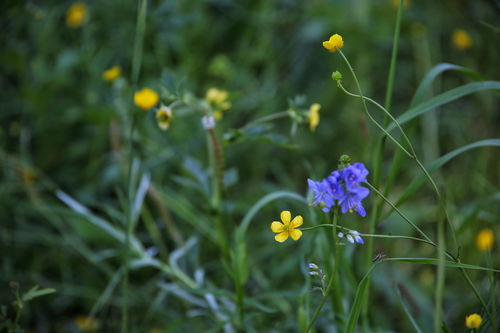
{"x": 336, "y": 76}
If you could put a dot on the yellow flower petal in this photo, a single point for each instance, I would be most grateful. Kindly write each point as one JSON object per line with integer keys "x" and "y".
{"x": 314, "y": 116}
{"x": 281, "y": 237}
{"x": 473, "y": 321}
{"x": 112, "y": 73}
{"x": 297, "y": 221}
{"x": 286, "y": 217}
{"x": 334, "y": 43}
{"x": 461, "y": 39}
{"x": 277, "y": 226}
{"x": 485, "y": 239}
{"x": 146, "y": 98}
{"x": 295, "y": 234}
{"x": 76, "y": 15}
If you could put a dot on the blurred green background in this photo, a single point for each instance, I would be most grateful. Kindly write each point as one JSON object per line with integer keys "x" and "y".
{"x": 64, "y": 128}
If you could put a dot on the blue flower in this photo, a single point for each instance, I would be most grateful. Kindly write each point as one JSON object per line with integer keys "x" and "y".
{"x": 353, "y": 175}
{"x": 342, "y": 187}
{"x": 322, "y": 194}
{"x": 352, "y": 201}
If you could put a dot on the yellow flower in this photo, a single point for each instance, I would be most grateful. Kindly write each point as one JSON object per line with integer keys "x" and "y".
{"x": 164, "y": 117}
{"x": 87, "y": 324}
{"x": 112, "y": 73}
{"x": 484, "y": 239}
{"x": 473, "y": 321}
{"x": 287, "y": 228}
{"x": 76, "y": 15}
{"x": 461, "y": 39}
{"x": 217, "y": 99}
{"x": 314, "y": 116}
{"x": 395, "y": 3}
{"x": 334, "y": 43}
{"x": 146, "y": 98}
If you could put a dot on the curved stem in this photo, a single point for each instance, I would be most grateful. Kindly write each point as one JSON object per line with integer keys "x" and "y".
{"x": 366, "y": 107}
{"x": 264, "y": 119}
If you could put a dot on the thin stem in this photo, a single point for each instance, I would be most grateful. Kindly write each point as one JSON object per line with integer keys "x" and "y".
{"x": 366, "y": 107}
{"x": 332, "y": 277}
{"x": 438, "y": 307}
{"x": 399, "y": 212}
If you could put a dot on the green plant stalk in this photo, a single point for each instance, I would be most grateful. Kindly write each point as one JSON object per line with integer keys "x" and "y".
{"x": 491, "y": 277}
{"x": 136, "y": 67}
{"x": 332, "y": 279}
{"x": 336, "y": 296}
{"x": 438, "y": 305}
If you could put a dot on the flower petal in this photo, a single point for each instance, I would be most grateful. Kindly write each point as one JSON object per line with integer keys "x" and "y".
{"x": 295, "y": 234}
{"x": 281, "y": 237}
{"x": 277, "y": 226}
{"x": 285, "y": 217}
{"x": 297, "y": 221}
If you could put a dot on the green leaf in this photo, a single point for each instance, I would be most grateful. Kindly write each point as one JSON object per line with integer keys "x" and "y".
{"x": 429, "y": 78}
{"x": 444, "y": 98}
{"x": 35, "y": 292}
{"x": 407, "y": 311}
{"x": 420, "y": 179}
{"x": 97, "y": 221}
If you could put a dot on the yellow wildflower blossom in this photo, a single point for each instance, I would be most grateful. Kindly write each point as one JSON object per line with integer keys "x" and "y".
{"x": 314, "y": 116}
{"x": 87, "y": 324}
{"x": 217, "y": 99}
{"x": 334, "y": 43}
{"x": 461, "y": 39}
{"x": 473, "y": 321}
{"x": 484, "y": 240}
{"x": 76, "y": 15}
{"x": 286, "y": 227}
{"x": 164, "y": 117}
{"x": 146, "y": 98}
{"x": 112, "y": 73}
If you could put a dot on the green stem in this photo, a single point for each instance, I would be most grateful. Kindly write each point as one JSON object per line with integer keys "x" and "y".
{"x": 264, "y": 119}
{"x": 136, "y": 67}
{"x": 399, "y": 212}
{"x": 332, "y": 279}
{"x": 438, "y": 307}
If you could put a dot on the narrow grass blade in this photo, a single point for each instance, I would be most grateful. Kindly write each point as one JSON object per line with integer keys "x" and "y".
{"x": 420, "y": 179}
{"x": 407, "y": 311}
{"x": 444, "y": 98}
{"x": 429, "y": 78}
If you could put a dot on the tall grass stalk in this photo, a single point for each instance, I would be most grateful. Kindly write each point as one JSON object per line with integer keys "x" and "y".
{"x": 136, "y": 67}
{"x": 438, "y": 304}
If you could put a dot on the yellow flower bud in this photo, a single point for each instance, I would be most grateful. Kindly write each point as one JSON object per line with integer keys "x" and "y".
{"x": 485, "y": 239}
{"x": 146, "y": 98}
{"x": 461, "y": 39}
{"x": 314, "y": 116}
{"x": 112, "y": 73}
{"x": 473, "y": 321}
{"x": 76, "y": 15}
{"x": 334, "y": 43}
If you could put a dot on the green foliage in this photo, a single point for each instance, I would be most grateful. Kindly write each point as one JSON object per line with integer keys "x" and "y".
{"x": 145, "y": 230}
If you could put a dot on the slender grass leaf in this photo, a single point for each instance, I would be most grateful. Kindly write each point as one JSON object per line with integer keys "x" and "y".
{"x": 444, "y": 98}
{"x": 407, "y": 311}
{"x": 420, "y": 179}
{"x": 435, "y": 72}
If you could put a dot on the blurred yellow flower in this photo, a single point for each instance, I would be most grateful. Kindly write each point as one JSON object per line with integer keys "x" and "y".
{"x": 87, "y": 324}
{"x": 314, "y": 116}
{"x": 217, "y": 99}
{"x": 395, "y": 3}
{"x": 286, "y": 227}
{"x": 146, "y": 98}
{"x": 334, "y": 43}
{"x": 473, "y": 321}
{"x": 112, "y": 73}
{"x": 164, "y": 117}
{"x": 76, "y": 15}
{"x": 461, "y": 39}
{"x": 485, "y": 239}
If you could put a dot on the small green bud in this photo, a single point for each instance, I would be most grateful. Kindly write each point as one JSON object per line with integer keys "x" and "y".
{"x": 336, "y": 76}
{"x": 344, "y": 161}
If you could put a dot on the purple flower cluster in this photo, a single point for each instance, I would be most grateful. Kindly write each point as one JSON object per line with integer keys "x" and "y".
{"x": 343, "y": 188}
